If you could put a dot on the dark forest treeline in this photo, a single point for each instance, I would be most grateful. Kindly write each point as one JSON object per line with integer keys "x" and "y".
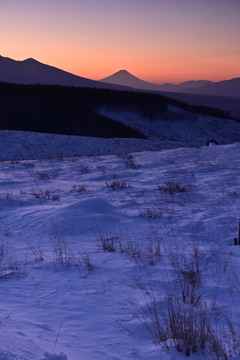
{"x": 57, "y": 110}
{"x": 74, "y": 110}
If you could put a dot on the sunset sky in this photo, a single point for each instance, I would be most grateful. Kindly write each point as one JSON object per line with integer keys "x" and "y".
{"x": 156, "y": 40}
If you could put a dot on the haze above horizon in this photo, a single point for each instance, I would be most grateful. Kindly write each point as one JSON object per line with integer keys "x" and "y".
{"x": 157, "y": 40}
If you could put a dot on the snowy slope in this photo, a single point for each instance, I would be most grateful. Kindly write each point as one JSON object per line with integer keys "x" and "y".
{"x": 62, "y": 294}
{"x": 178, "y": 129}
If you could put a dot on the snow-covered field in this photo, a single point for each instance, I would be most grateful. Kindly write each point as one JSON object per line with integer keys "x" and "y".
{"x": 94, "y": 247}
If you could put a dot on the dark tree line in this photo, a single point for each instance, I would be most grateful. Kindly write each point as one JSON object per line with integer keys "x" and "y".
{"x": 74, "y": 110}
{"x": 58, "y": 110}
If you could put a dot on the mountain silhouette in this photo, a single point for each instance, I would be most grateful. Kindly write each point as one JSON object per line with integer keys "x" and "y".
{"x": 31, "y": 71}
{"x": 125, "y": 78}
{"x": 221, "y": 88}
{"x": 224, "y": 94}
{"x": 205, "y": 87}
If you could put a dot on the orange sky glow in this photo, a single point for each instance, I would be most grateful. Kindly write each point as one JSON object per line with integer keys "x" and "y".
{"x": 157, "y": 40}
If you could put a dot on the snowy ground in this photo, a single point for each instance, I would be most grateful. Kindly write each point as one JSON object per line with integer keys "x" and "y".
{"x": 89, "y": 244}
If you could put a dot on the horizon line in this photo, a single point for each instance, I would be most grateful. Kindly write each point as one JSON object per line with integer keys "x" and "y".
{"x": 122, "y": 69}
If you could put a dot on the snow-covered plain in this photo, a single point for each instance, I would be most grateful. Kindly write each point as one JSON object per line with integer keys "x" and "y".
{"x": 89, "y": 243}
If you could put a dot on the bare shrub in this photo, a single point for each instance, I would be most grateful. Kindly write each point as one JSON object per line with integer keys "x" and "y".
{"x": 9, "y": 195}
{"x": 188, "y": 274}
{"x": 4, "y": 229}
{"x": 86, "y": 259}
{"x": 35, "y": 250}
{"x": 132, "y": 249}
{"x": 171, "y": 188}
{"x": 43, "y": 176}
{"x": 190, "y": 329}
{"x": 126, "y": 156}
{"x": 117, "y": 185}
{"x": 108, "y": 242}
{"x": 46, "y": 195}
{"x": 232, "y": 193}
{"x": 142, "y": 253}
{"x": 150, "y": 213}
{"x": 153, "y": 251}
{"x": 14, "y": 162}
{"x": 79, "y": 189}
{"x": 189, "y": 326}
{"x": 9, "y": 266}
{"x": 84, "y": 168}
{"x": 131, "y": 164}
{"x": 231, "y": 334}
{"x": 28, "y": 164}
{"x": 64, "y": 252}
{"x": 172, "y": 323}
{"x": 169, "y": 160}
{"x": 22, "y": 192}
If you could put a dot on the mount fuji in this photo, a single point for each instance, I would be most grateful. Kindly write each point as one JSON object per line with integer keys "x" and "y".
{"x": 125, "y": 78}
{"x": 205, "y": 87}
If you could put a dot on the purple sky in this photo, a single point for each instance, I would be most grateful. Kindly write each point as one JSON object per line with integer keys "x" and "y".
{"x": 157, "y": 40}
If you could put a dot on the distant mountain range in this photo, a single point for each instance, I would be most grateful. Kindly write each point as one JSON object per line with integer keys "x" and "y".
{"x": 205, "y": 87}
{"x": 31, "y": 71}
{"x": 221, "y": 88}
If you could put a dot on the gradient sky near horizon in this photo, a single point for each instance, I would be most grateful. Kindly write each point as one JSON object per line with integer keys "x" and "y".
{"x": 156, "y": 40}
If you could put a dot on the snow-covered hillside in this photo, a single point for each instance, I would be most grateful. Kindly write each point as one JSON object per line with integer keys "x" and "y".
{"x": 179, "y": 129}
{"x": 94, "y": 250}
